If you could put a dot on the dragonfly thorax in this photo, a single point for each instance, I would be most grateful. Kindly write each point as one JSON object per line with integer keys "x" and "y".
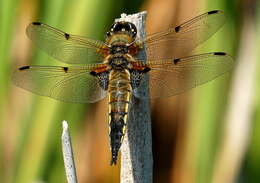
{"x": 118, "y": 62}
{"x": 118, "y": 49}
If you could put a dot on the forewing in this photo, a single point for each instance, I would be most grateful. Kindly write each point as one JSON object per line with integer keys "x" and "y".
{"x": 172, "y": 77}
{"x": 179, "y": 41}
{"x": 67, "y": 84}
{"x": 65, "y": 47}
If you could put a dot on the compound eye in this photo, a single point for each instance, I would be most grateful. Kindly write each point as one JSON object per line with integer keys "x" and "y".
{"x": 127, "y": 27}
{"x": 117, "y": 27}
{"x": 132, "y": 29}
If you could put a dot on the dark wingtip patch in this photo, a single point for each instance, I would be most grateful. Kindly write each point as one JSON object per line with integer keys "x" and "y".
{"x": 24, "y": 68}
{"x": 213, "y": 12}
{"x": 219, "y": 53}
{"x": 175, "y": 61}
{"x": 67, "y": 36}
{"x": 177, "y": 29}
{"x": 65, "y": 69}
{"x": 37, "y": 23}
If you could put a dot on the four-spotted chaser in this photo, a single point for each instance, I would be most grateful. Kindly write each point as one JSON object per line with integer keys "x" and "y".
{"x": 119, "y": 69}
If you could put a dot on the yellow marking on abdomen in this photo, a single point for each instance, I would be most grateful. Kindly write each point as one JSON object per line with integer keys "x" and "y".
{"x": 119, "y": 97}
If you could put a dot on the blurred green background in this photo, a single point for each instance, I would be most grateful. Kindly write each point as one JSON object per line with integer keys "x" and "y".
{"x": 209, "y": 134}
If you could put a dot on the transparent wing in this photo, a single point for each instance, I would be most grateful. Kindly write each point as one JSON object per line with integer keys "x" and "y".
{"x": 172, "y": 77}
{"x": 179, "y": 41}
{"x": 65, "y": 47}
{"x": 68, "y": 84}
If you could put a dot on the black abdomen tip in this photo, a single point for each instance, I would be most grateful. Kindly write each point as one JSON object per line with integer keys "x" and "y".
{"x": 213, "y": 12}
{"x": 24, "y": 68}
{"x": 113, "y": 160}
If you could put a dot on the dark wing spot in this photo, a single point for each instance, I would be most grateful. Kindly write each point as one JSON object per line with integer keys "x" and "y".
{"x": 65, "y": 69}
{"x": 213, "y": 12}
{"x": 219, "y": 53}
{"x": 67, "y": 36}
{"x": 177, "y": 29}
{"x": 24, "y": 68}
{"x": 37, "y": 23}
{"x": 146, "y": 69}
{"x": 175, "y": 61}
{"x": 93, "y": 73}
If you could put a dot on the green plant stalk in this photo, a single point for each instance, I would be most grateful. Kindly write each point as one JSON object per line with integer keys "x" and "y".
{"x": 7, "y": 20}
{"x": 40, "y": 122}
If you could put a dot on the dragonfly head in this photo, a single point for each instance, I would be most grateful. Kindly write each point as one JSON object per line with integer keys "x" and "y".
{"x": 122, "y": 27}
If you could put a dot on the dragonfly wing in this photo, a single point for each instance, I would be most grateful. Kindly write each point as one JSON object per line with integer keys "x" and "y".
{"x": 172, "y": 77}
{"x": 65, "y": 47}
{"x": 67, "y": 84}
{"x": 179, "y": 41}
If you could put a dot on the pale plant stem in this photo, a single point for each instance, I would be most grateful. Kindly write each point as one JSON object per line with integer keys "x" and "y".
{"x": 136, "y": 150}
{"x": 68, "y": 155}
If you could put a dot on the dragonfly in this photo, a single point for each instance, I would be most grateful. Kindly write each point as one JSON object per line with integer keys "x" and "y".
{"x": 115, "y": 68}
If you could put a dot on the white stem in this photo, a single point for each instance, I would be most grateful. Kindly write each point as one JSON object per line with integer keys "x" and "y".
{"x": 136, "y": 150}
{"x": 68, "y": 155}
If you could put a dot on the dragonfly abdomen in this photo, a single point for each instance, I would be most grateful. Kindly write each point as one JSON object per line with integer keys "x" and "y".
{"x": 119, "y": 96}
